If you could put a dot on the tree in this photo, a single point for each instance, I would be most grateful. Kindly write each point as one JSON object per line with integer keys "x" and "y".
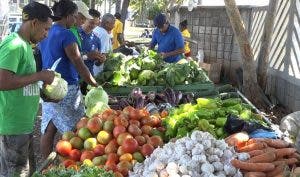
{"x": 124, "y": 10}
{"x": 263, "y": 61}
{"x": 118, "y": 5}
{"x": 250, "y": 86}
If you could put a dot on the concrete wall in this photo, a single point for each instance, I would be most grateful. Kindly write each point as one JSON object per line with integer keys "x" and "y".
{"x": 210, "y": 26}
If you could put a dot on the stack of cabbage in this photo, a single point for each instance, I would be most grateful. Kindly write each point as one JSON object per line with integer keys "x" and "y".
{"x": 96, "y": 101}
{"x": 57, "y": 90}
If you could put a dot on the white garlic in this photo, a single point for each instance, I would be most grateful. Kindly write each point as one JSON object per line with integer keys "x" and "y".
{"x": 159, "y": 165}
{"x": 218, "y": 166}
{"x": 183, "y": 169}
{"x": 199, "y": 158}
{"x": 163, "y": 173}
{"x": 174, "y": 175}
{"x": 207, "y": 168}
{"x": 206, "y": 144}
{"x": 238, "y": 174}
{"x": 172, "y": 168}
{"x": 213, "y": 158}
{"x": 243, "y": 156}
{"x": 220, "y": 174}
{"x": 198, "y": 149}
{"x": 185, "y": 176}
{"x": 229, "y": 170}
{"x": 227, "y": 154}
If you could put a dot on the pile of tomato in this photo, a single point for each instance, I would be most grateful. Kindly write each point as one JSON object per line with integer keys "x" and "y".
{"x": 114, "y": 140}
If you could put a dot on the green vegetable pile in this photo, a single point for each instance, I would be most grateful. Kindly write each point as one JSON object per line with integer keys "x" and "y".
{"x": 208, "y": 115}
{"x": 148, "y": 69}
{"x": 85, "y": 171}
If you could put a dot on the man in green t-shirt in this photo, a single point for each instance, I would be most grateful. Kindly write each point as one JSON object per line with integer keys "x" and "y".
{"x": 19, "y": 91}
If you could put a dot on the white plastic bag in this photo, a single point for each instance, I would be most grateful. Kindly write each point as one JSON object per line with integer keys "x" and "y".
{"x": 200, "y": 56}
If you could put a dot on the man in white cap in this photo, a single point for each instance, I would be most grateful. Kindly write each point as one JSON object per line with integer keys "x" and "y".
{"x": 83, "y": 15}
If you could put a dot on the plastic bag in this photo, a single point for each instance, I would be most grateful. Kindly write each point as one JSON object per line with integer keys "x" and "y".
{"x": 200, "y": 56}
{"x": 234, "y": 124}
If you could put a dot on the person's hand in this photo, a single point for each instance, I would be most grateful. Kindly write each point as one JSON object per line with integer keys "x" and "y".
{"x": 102, "y": 58}
{"x": 95, "y": 55}
{"x": 163, "y": 54}
{"x": 47, "y": 76}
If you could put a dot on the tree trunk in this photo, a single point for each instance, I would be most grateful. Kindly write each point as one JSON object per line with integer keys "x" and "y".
{"x": 251, "y": 89}
{"x": 124, "y": 10}
{"x": 118, "y": 5}
{"x": 93, "y": 4}
{"x": 263, "y": 61}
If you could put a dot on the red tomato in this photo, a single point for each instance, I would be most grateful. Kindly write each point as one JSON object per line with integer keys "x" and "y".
{"x": 118, "y": 130}
{"x": 144, "y": 113}
{"x": 134, "y": 114}
{"x": 121, "y": 121}
{"x": 120, "y": 151}
{"x": 99, "y": 150}
{"x": 63, "y": 147}
{"x": 122, "y": 137}
{"x": 109, "y": 114}
{"x": 110, "y": 166}
{"x": 81, "y": 123}
{"x": 87, "y": 155}
{"x": 156, "y": 141}
{"x": 140, "y": 139}
{"x": 75, "y": 155}
{"x": 113, "y": 157}
{"x": 68, "y": 163}
{"x": 128, "y": 109}
{"x": 134, "y": 122}
{"x": 146, "y": 129}
{"x": 130, "y": 145}
{"x": 134, "y": 130}
{"x": 147, "y": 150}
{"x": 111, "y": 147}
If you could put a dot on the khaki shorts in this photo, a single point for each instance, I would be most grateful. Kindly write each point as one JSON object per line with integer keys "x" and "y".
{"x": 16, "y": 155}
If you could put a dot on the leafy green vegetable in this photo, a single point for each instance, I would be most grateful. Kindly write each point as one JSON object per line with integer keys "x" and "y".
{"x": 98, "y": 108}
{"x": 147, "y": 77}
{"x": 57, "y": 90}
{"x": 85, "y": 171}
{"x": 94, "y": 96}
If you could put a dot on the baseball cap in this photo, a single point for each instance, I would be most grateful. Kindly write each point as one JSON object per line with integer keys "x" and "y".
{"x": 83, "y": 9}
{"x": 160, "y": 20}
{"x": 39, "y": 11}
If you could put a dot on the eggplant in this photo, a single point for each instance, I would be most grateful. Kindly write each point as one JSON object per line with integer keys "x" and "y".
{"x": 139, "y": 102}
{"x": 123, "y": 103}
{"x": 178, "y": 95}
{"x": 151, "y": 96}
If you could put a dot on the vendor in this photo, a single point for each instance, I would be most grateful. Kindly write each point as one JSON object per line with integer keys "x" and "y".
{"x": 168, "y": 38}
{"x": 186, "y": 35}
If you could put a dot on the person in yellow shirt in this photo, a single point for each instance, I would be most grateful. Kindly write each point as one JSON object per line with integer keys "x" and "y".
{"x": 117, "y": 32}
{"x": 186, "y": 35}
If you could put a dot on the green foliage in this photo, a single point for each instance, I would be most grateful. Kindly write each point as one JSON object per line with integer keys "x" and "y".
{"x": 85, "y": 171}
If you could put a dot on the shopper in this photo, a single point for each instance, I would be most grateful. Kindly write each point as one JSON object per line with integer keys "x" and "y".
{"x": 118, "y": 37}
{"x": 81, "y": 17}
{"x": 19, "y": 91}
{"x": 103, "y": 32}
{"x": 186, "y": 35}
{"x": 61, "y": 43}
{"x": 91, "y": 45}
{"x": 168, "y": 38}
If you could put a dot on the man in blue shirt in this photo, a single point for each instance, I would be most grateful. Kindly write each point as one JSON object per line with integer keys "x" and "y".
{"x": 91, "y": 45}
{"x": 168, "y": 38}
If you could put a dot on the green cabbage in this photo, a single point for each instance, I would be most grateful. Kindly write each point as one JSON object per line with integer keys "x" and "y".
{"x": 148, "y": 64}
{"x": 94, "y": 96}
{"x": 57, "y": 90}
{"x": 147, "y": 77}
{"x": 98, "y": 108}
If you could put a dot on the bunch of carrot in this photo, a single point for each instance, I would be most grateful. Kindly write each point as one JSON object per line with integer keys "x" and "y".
{"x": 268, "y": 157}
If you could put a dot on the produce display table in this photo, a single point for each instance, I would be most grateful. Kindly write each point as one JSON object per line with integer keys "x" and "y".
{"x": 199, "y": 89}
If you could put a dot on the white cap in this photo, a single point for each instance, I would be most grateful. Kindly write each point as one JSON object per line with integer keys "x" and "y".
{"x": 83, "y": 9}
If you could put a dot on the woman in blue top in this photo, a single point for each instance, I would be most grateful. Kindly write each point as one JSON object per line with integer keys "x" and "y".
{"x": 168, "y": 38}
{"x": 61, "y": 43}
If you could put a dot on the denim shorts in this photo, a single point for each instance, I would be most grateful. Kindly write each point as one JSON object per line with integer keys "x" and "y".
{"x": 64, "y": 114}
{"x": 16, "y": 155}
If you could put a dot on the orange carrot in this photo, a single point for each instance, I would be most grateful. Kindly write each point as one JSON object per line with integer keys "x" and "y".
{"x": 279, "y": 162}
{"x": 254, "y": 146}
{"x": 285, "y": 152}
{"x": 278, "y": 170}
{"x": 263, "y": 158}
{"x": 295, "y": 155}
{"x": 291, "y": 161}
{"x": 259, "y": 167}
{"x": 255, "y": 174}
{"x": 277, "y": 143}
{"x": 255, "y": 153}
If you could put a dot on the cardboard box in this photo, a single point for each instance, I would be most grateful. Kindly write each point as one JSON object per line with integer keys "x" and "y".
{"x": 213, "y": 69}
